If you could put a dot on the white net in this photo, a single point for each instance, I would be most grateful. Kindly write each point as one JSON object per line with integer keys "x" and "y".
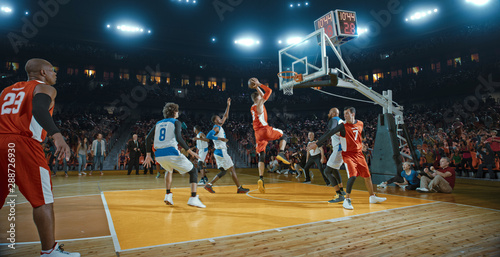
{"x": 287, "y": 80}
{"x": 288, "y": 90}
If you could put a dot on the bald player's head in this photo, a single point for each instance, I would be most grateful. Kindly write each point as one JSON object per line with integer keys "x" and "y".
{"x": 334, "y": 112}
{"x": 42, "y": 70}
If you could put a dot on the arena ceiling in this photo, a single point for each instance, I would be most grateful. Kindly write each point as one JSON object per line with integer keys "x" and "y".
{"x": 211, "y": 26}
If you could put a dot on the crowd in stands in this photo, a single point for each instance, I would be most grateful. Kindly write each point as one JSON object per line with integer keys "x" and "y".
{"x": 445, "y": 125}
{"x": 77, "y": 128}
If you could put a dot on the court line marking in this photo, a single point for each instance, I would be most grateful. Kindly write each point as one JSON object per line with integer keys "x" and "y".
{"x": 413, "y": 197}
{"x": 63, "y": 240}
{"x": 116, "y": 243}
{"x": 55, "y": 198}
{"x": 267, "y": 230}
{"x": 280, "y": 201}
{"x": 84, "y": 182}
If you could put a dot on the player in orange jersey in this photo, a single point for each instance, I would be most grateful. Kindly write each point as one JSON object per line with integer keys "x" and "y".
{"x": 352, "y": 134}
{"x": 263, "y": 132}
{"x": 25, "y": 120}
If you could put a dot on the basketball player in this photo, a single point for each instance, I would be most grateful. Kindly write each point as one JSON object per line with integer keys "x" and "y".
{"x": 351, "y": 133}
{"x": 263, "y": 132}
{"x": 202, "y": 145}
{"x": 25, "y": 121}
{"x": 222, "y": 158}
{"x": 167, "y": 135}
{"x": 335, "y": 159}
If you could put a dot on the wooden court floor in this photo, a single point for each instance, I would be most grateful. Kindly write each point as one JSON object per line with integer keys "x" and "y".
{"x": 291, "y": 219}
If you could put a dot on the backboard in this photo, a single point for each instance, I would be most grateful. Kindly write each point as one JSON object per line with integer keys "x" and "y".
{"x": 307, "y": 57}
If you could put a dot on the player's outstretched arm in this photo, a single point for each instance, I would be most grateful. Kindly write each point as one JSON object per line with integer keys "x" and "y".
{"x": 226, "y": 114}
{"x": 201, "y": 138}
{"x": 340, "y": 128}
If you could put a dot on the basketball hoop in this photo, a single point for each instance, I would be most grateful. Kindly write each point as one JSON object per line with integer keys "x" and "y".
{"x": 287, "y": 77}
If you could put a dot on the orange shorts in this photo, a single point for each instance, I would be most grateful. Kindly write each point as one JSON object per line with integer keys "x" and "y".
{"x": 356, "y": 164}
{"x": 264, "y": 135}
{"x": 22, "y": 161}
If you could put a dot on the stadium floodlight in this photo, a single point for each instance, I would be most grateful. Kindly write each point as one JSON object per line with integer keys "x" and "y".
{"x": 298, "y": 5}
{"x": 307, "y": 3}
{"x": 27, "y": 13}
{"x": 291, "y": 5}
{"x": 129, "y": 29}
{"x": 362, "y": 31}
{"x": 293, "y": 40}
{"x": 6, "y": 9}
{"x": 108, "y": 26}
{"x": 421, "y": 15}
{"x": 279, "y": 42}
{"x": 248, "y": 42}
{"x": 478, "y": 2}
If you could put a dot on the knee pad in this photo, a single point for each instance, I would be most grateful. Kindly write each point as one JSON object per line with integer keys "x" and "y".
{"x": 262, "y": 157}
{"x": 193, "y": 175}
{"x": 222, "y": 173}
{"x": 284, "y": 137}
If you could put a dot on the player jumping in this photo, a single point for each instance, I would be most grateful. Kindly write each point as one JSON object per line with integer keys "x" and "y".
{"x": 263, "y": 132}
{"x": 351, "y": 133}
{"x": 224, "y": 161}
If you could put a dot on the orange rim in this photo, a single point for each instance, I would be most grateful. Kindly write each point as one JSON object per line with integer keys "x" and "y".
{"x": 288, "y": 74}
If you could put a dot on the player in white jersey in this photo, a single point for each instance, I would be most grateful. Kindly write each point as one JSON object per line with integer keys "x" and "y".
{"x": 202, "y": 146}
{"x": 224, "y": 161}
{"x": 167, "y": 136}
{"x": 335, "y": 160}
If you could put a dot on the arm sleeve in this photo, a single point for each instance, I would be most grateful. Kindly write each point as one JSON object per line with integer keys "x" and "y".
{"x": 330, "y": 133}
{"x": 267, "y": 91}
{"x": 332, "y": 123}
{"x": 149, "y": 139}
{"x": 211, "y": 135}
{"x": 41, "y": 103}
{"x": 178, "y": 136}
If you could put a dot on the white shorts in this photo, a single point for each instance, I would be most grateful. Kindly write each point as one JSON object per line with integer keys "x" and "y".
{"x": 178, "y": 162}
{"x": 203, "y": 154}
{"x": 335, "y": 160}
{"x": 223, "y": 161}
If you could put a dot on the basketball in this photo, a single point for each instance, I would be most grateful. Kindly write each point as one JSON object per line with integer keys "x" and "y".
{"x": 251, "y": 85}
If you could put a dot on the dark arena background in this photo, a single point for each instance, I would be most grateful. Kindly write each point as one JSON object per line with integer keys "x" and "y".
{"x": 423, "y": 77}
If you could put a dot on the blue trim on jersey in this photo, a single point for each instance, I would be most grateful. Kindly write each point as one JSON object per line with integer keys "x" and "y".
{"x": 169, "y": 151}
{"x": 211, "y": 135}
{"x": 205, "y": 149}
{"x": 218, "y": 152}
{"x": 217, "y": 126}
{"x": 337, "y": 118}
{"x": 167, "y": 120}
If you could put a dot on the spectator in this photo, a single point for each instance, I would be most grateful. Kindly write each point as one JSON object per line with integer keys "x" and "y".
{"x": 122, "y": 160}
{"x": 134, "y": 154}
{"x": 81, "y": 150}
{"x": 441, "y": 180}
{"x": 409, "y": 178}
{"x": 273, "y": 165}
{"x": 488, "y": 158}
{"x": 494, "y": 143}
{"x": 99, "y": 152}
